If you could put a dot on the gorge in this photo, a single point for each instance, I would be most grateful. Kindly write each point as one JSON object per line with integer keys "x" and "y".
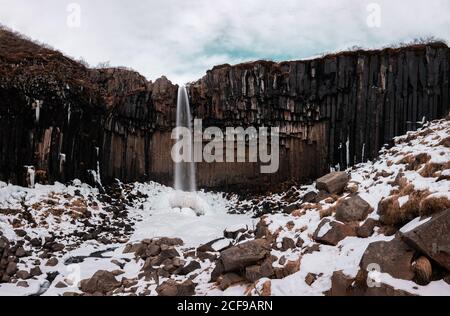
{"x": 66, "y": 120}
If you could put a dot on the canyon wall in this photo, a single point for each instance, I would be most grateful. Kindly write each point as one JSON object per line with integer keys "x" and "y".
{"x": 62, "y": 120}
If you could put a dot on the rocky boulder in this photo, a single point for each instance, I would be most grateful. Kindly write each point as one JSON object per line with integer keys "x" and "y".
{"x": 343, "y": 285}
{"x": 256, "y": 272}
{"x": 367, "y": 228}
{"x": 352, "y": 209}
{"x": 334, "y": 182}
{"x": 340, "y": 284}
{"x": 393, "y": 257}
{"x": 433, "y": 238}
{"x": 331, "y": 232}
{"x": 190, "y": 267}
{"x": 101, "y": 282}
{"x": 228, "y": 279}
{"x": 172, "y": 288}
{"x": 239, "y": 257}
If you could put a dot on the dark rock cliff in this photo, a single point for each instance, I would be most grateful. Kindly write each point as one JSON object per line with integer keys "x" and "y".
{"x": 66, "y": 120}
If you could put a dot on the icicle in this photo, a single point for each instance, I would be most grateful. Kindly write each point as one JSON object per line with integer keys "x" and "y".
{"x": 347, "y": 145}
{"x": 62, "y": 162}
{"x": 37, "y": 105}
{"x": 96, "y": 174}
{"x": 30, "y": 176}
{"x": 363, "y": 152}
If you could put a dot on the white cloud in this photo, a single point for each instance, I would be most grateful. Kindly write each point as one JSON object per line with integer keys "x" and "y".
{"x": 182, "y": 39}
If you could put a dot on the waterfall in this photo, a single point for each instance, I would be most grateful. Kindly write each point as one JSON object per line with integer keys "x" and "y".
{"x": 184, "y": 179}
{"x": 31, "y": 174}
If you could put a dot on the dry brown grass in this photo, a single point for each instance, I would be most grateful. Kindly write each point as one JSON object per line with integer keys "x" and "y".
{"x": 392, "y": 214}
{"x": 431, "y": 170}
{"x": 433, "y": 205}
{"x": 414, "y": 162}
{"x": 418, "y": 204}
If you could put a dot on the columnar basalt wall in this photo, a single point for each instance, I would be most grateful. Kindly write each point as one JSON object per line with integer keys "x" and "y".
{"x": 68, "y": 121}
{"x": 365, "y": 98}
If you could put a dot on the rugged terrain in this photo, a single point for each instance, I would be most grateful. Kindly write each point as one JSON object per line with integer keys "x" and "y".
{"x": 379, "y": 228}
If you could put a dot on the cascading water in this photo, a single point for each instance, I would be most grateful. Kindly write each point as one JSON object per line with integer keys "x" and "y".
{"x": 185, "y": 196}
{"x": 184, "y": 179}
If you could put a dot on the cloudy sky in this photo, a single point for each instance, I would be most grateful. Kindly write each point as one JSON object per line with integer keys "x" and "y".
{"x": 183, "y": 38}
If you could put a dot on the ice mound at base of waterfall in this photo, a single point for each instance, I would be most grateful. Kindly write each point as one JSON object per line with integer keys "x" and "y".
{"x": 159, "y": 219}
{"x": 187, "y": 200}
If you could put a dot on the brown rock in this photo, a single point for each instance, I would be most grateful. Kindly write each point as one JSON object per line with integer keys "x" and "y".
{"x": 117, "y": 272}
{"x": 238, "y": 257}
{"x": 366, "y": 230}
{"x": 172, "y": 288}
{"x": 152, "y": 250}
{"x": 290, "y": 268}
{"x": 331, "y": 232}
{"x": 262, "y": 230}
{"x": 340, "y": 284}
{"x": 310, "y": 278}
{"x": 393, "y": 257}
{"x": 52, "y": 262}
{"x": 11, "y": 268}
{"x": 20, "y": 252}
{"x": 433, "y": 238}
{"x": 362, "y": 287}
{"x": 71, "y": 294}
{"x": 22, "y": 274}
{"x": 333, "y": 183}
{"x": 60, "y": 285}
{"x": 190, "y": 267}
{"x": 36, "y": 271}
{"x": 352, "y": 209}
{"x": 207, "y": 256}
{"x": 311, "y": 249}
{"x": 309, "y": 197}
{"x": 168, "y": 253}
{"x": 256, "y": 272}
{"x": 22, "y": 284}
{"x": 102, "y": 281}
{"x": 287, "y": 244}
{"x": 229, "y": 279}
{"x": 170, "y": 241}
{"x": 57, "y": 247}
{"x": 20, "y": 232}
{"x": 208, "y": 246}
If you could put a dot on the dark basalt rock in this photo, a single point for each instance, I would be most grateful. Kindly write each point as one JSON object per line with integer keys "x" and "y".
{"x": 433, "y": 238}
{"x": 65, "y": 119}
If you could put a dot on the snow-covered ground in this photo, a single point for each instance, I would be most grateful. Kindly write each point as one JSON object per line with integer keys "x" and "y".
{"x": 94, "y": 229}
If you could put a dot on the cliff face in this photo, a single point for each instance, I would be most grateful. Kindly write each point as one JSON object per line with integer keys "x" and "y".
{"x": 66, "y": 120}
{"x": 365, "y": 98}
